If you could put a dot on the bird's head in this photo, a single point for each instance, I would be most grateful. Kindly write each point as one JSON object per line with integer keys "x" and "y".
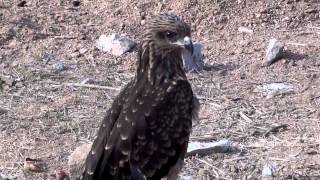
{"x": 164, "y": 38}
{"x": 169, "y": 33}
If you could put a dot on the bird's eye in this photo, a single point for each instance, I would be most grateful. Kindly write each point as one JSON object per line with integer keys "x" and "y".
{"x": 171, "y": 35}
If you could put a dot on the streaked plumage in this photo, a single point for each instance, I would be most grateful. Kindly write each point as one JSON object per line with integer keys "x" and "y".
{"x": 146, "y": 131}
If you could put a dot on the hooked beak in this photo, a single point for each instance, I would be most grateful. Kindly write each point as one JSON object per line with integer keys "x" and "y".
{"x": 186, "y": 43}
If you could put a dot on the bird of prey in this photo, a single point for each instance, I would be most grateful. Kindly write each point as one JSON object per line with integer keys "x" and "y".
{"x": 146, "y": 131}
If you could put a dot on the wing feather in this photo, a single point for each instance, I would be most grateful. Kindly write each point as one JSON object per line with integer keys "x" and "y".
{"x": 146, "y": 133}
{"x": 167, "y": 129}
{"x": 92, "y": 166}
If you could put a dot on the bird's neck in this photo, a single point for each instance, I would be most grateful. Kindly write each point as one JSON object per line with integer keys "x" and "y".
{"x": 158, "y": 65}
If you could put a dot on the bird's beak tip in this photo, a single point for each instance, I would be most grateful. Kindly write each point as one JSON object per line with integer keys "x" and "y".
{"x": 188, "y": 45}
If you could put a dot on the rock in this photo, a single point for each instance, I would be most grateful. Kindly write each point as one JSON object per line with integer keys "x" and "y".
{"x": 58, "y": 67}
{"x": 203, "y": 148}
{"x": 274, "y": 51}
{"x": 22, "y": 4}
{"x": 6, "y": 80}
{"x": 268, "y": 170}
{"x": 186, "y": 178}
{"x": 245, "y": 30}
{"x": 87, "y": 81}
{"x": 3, "y": 111}
{"x": 115, "y": 44}
{"x": 7, "y": 177}
{"x": 311, "y": 10}
{"x": 77, "y": 159}
{"x": 76, "y": 3}
{"x": 47, "y": 57}
{"x": 277, "y": 86}
{"x": 193, "y": 62}
{"x": 34, "y": 165}
{"x": 143, "y": 22}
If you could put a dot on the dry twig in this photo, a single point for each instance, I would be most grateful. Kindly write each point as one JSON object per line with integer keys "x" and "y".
{"x": 89, "y": 86}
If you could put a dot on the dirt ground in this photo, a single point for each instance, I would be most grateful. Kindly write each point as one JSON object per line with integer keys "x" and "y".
{"x": 42, "y": 118}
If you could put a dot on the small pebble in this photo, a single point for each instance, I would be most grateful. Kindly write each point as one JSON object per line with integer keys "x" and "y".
{"x": 276, "y": 86}
{"x": 3, "y": 111}
{"x": 245, "y": 30}
{"x": 268, "y": 170}
{"x": 186, "y": 177}
{"x": 274, "y": 51}
{"x": 22, "y": 4}
{"x": 143, "y": 22}
{"x": 76, "y": 3}
{"x": 58, "y": 67}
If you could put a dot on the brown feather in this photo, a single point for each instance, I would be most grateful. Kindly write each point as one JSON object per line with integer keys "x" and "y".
{"x": 147, "y": 128}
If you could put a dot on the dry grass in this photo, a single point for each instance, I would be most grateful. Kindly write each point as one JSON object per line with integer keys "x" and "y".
{"x": 43, "y": 116}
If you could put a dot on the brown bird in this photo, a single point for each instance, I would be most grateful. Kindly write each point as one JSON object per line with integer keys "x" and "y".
{"x": 146, "y": 131}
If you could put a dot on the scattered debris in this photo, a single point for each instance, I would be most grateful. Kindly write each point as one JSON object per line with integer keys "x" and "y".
{"x": 245, "y": 117}
{"x": 77, "y": 158}
{"x": 78, "y": 53}
{"x": 274, "y": 51}
{"x": 8, "y": 80}
{"x": 277, "y": 86}
{"x": 245, "y": 30}
{"x": 87, "y": 81}
{"x": 268, "y": 170}
{"x": 83, "y": 50}
{"x": 33, "y": 165}
{"x": 203, "y": 148}
{"x": 193, "y": 62}
{"x": 276, "y": 129}
{"x": 47, "y": 57}
{"x": 58, "y": 67}
{"x": 115, "y": 44}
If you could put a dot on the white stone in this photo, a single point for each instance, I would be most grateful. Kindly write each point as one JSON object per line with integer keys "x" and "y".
{"x": 277, "y": 86}
{"x": 193, "y": 62}
{"x": 268, "y": 170}
{"x": 186, "y": 177}
{"x": 245, "y": 30}
{"x": 202, "y": 148}
{"x": 115, "y": 44}
{"x": 58, "y": 67}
